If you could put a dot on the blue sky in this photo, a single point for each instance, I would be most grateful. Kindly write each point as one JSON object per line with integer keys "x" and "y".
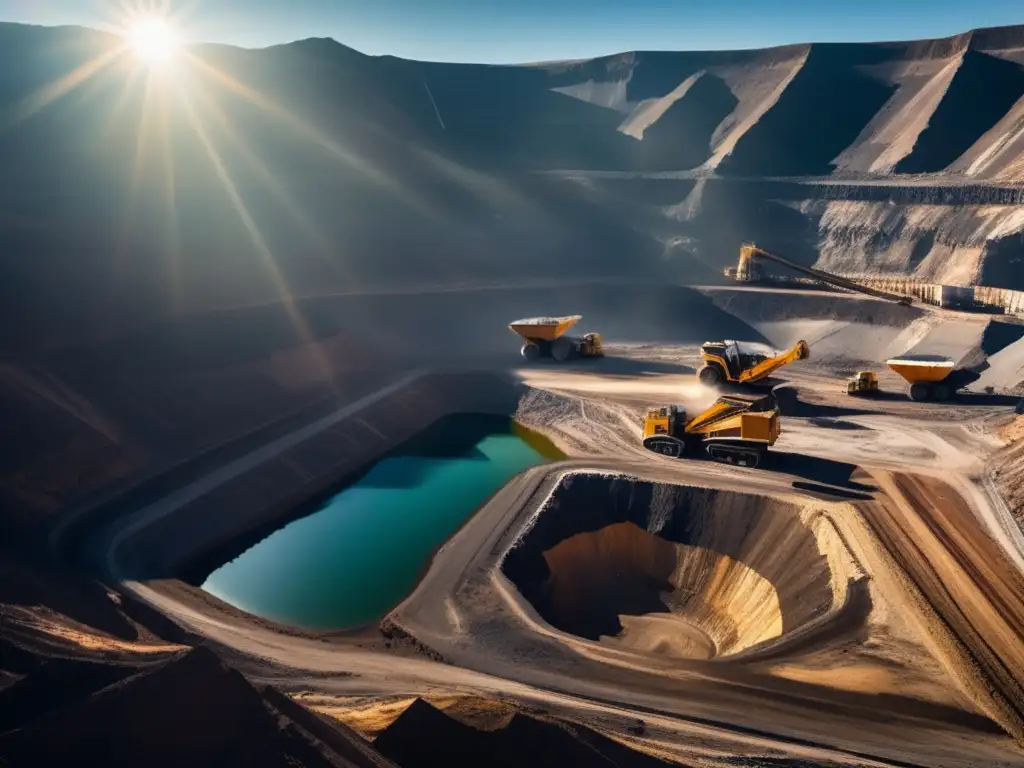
{"x": 502, "y": 31}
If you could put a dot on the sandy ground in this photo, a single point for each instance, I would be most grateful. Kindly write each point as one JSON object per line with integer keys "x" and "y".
{"x": 869, "y": 614}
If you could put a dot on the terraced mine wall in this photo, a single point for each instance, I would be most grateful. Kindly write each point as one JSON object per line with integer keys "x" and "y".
{"x": 672, "y": 569}
{"x": 917, "y": 143}
{"x": 984, "y": 297}
{"x": 929, "y": 230}
{"x": 230, "y": 518}
{"x": 86, "y": 421}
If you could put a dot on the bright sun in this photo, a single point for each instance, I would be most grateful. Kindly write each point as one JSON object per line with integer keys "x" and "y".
{"x": 154, "y": 40}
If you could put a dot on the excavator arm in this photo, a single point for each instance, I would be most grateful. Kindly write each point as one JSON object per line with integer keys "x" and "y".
{"x": 800, "y": 351}
{"x": 737, "y": 429}
{"x": 725, "y": 408}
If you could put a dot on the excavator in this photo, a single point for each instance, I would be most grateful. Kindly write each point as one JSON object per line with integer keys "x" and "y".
{"x": 737, "y": 429}
{"x": 736, "y": 362}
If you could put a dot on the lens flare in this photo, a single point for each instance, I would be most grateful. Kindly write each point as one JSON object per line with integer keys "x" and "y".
{"x": 154, "y": 40}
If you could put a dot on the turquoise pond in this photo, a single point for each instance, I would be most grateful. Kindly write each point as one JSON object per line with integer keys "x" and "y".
{"x": 363, "y": 551}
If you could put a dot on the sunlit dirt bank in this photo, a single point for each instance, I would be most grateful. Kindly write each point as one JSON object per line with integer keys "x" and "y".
{"x": 840, "y": 605}
{"x": 680, "y": 571}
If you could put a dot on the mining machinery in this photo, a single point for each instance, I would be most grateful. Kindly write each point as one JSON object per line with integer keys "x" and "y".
{"x": 862, "y": 383}
{"x": 545, "y": 337}
{"x": 738, "y": 362}
{"x": 932, "y": 377}
{"x": 750, "y": 269}
{"x": 737, "y": 429}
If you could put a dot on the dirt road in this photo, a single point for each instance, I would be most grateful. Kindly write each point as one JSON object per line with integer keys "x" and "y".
{"x": 918, "y": 662}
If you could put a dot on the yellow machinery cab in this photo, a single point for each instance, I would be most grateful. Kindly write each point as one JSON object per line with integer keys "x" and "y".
{"x": 862, "y": 383}
{"x": 736, "y": 429}
{"x": 738, "y": 362}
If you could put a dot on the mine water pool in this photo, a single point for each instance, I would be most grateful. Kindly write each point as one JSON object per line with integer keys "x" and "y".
{"x": 364, "y": 549}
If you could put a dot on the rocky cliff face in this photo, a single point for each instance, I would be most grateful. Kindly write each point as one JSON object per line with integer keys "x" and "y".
{"x": 175, "y": 245}
{"x": 311, "y": 168}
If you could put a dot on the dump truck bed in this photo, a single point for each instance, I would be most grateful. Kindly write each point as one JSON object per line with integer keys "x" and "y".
{"x": 922, "y": 368}
{"x": 544, "y": 328}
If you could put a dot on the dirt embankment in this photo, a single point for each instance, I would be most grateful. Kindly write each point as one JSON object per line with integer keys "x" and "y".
{"x": 676, "y": 570}
{"x": 99, "y": 417}
{"x": 190, "y": 710}
{"x": 1008, "y": 468}
{"x": 86, "y": 421}
{"x": 424, "y": 736}
{"x": 199, "y": 536}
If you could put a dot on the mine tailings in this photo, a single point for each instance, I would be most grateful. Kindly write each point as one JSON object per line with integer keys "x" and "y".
{"x": 365, "y": 545}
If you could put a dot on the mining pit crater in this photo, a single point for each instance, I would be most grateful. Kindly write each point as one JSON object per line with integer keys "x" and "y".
{"x": 684, "y": 572}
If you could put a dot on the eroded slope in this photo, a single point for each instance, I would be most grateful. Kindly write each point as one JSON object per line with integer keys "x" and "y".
{"x": 676, "y": 570}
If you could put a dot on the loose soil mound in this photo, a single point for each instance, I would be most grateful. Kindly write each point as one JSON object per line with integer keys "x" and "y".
{"x": 190, "y": 711}
{"x": 425, "y": 736}
{"x": 56, "y": 683}
{"x": 674, "y": 570}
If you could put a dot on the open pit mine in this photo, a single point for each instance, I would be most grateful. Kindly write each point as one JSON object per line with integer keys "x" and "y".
{"x": 283, "y": 481}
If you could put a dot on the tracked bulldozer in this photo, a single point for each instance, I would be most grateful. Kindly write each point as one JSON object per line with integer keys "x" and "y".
{"x": 737, "y": 362}
{"x": 545, "y": 337}
{"x": 737, "y": 429}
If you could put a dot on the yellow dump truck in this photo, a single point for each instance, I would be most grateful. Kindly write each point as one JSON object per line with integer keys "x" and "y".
{"x": 545, "y": 337}
{"x": 931, "y": 377}
{"x": 739, "y": 362}
{"x": 737, "y": 429}
{"x": 862, "y": 383}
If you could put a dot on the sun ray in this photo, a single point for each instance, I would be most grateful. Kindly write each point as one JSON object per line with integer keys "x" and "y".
{"x": 59, "y": 88}
{"x": 143, "y": 131}
{"x": 314, "y": 135}
{"x": 259, "y": 242}
{"x": 121, "y": 104}
{"x": 170, "y": 191}
{"x": 266, "y": 175}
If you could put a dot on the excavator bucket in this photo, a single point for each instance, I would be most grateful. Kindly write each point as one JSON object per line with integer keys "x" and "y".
{"x": 544, "y": 328}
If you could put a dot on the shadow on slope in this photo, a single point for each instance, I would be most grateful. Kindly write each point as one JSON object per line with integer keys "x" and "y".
{"x": 66, "y": 593}
{"x": 294, "y": 169}
{"x": 1002, "y": 263}
{"x": 999, "y": 335}
{"x": 820, "y": 113}
{"x": 983, "y": 89}
{"x": 680, "y": 138}
{"x": 192, "y": 710}
{"x": 423, "y": 736}
{"x": 501, "y": 118}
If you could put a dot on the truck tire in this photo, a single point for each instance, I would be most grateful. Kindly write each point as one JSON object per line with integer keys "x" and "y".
{"x": 920, "y": 392}
{"x": 530, "y": 351}
{"x": 561, "y": 348}
{"x": 710, "y": 376}
{"x": 941, "y": 392}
